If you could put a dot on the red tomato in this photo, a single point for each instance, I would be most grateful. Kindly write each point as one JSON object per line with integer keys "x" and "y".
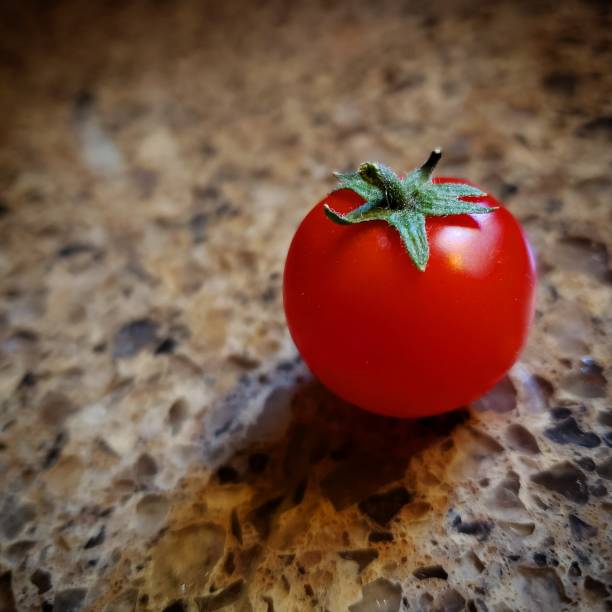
{"x": 398, "y": 341}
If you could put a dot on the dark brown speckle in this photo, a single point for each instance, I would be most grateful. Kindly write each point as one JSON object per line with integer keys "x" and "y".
{"x": 566, "y": 479}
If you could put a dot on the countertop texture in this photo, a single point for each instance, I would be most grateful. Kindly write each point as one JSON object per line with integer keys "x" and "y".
{"x": 162, "y": 447}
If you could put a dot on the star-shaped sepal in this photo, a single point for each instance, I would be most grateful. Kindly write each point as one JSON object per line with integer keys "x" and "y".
{"x": 404, "y": 203}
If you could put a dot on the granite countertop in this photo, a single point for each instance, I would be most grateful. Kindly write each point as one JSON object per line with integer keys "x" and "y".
{"x": 162, "y": 447}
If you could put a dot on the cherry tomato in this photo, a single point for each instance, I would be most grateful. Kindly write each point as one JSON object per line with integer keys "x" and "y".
{"x": 399, "y": 341}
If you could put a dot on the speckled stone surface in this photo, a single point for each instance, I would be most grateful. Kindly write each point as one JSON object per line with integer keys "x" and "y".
{"x": 162, "y": 447}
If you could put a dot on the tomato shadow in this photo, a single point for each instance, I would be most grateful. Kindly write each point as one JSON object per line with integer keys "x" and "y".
{"x": 308, "y": 442}
{"x": 299, "y": 480}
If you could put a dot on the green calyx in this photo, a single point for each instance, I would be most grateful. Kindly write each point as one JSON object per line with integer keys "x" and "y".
{"x": 404, "y": 203}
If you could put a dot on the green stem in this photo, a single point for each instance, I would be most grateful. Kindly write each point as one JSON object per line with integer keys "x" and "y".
{"x": 426, "y": 170}
{"x": 387, "y": 181}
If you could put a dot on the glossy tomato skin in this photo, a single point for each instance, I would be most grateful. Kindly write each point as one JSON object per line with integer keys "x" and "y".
{"x": 396, "y": 341}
